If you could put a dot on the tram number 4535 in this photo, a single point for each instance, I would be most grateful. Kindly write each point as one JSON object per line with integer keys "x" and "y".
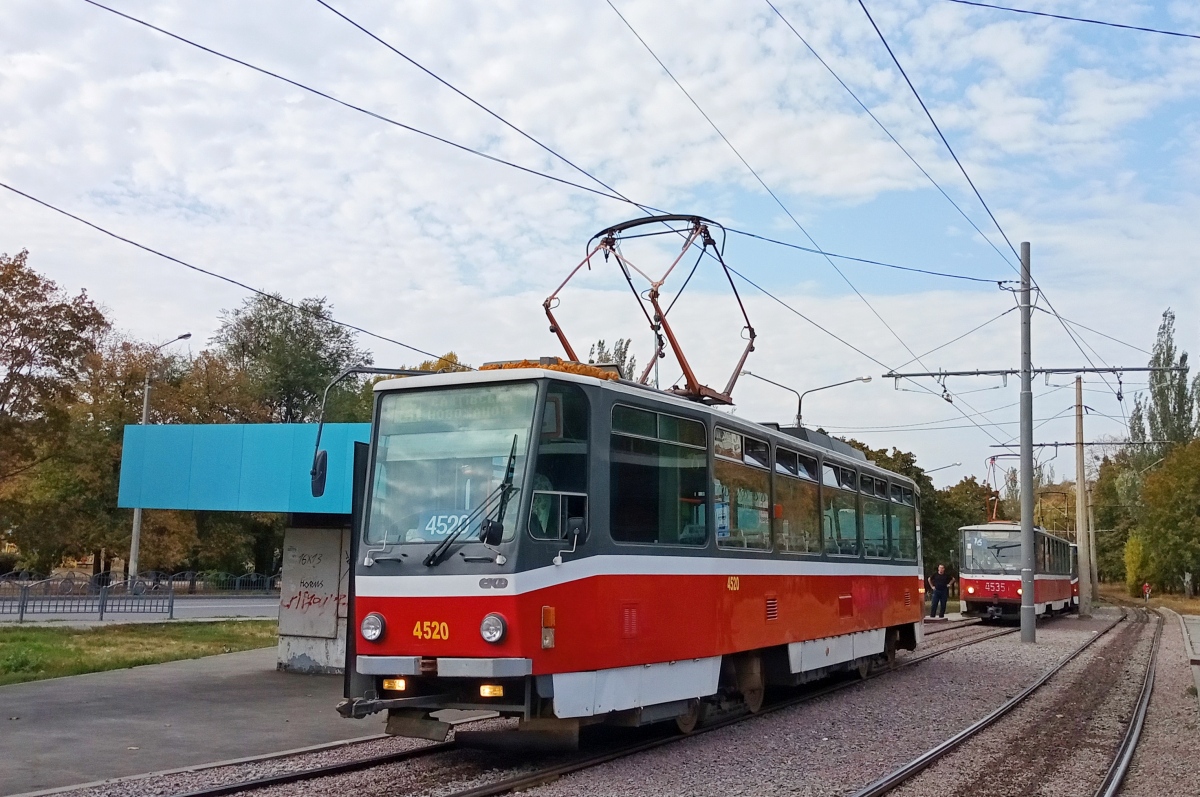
{"x": 431, "y": 629}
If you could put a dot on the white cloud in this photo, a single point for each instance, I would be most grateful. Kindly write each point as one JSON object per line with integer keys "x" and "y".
{"x": 239, "y": 173}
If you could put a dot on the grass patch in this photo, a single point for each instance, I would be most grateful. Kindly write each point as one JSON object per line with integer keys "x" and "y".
{"x": 33, "y": 653}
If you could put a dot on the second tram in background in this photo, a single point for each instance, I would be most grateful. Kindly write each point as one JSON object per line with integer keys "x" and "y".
{"x": 990, "y": 579}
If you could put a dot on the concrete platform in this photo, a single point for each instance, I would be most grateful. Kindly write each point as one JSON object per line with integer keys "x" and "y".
{"x": 162, "y": 716}
{"x": 1191, "y": 644}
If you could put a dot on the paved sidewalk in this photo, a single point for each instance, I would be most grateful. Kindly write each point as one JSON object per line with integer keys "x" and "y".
{"x": 162, "y": 716}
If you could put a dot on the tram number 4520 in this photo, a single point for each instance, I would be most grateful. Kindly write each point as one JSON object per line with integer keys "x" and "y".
{"x": 431, "y": 629}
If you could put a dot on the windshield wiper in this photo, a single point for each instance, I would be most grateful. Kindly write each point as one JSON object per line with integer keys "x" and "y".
{"x": 995, "y": 549}
{"x": 503, "y": 491}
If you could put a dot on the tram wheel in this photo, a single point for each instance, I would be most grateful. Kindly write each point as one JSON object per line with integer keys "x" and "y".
{"x": 891, "y": 642}
{"x": 689, "y": 721}
{"x": 750, "y": 681}
{"x": 753, "y": 698}
{"x": 864, "y": 668}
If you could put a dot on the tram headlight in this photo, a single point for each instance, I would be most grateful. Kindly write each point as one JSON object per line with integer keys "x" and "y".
{"x": 970, "y": 590}
{"x": 493, "y": 628}
{"x": 372, "y": 627}
{"x": 1020, "y": 591}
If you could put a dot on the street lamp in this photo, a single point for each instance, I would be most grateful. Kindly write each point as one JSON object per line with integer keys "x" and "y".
{"x": 800, "y": 396}
{"x": 136, "y": 540}
{"x": 943, "y": 467}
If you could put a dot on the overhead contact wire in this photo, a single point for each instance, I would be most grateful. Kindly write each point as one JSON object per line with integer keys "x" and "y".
{"x": 360, "y": 109}
{"x": 1103, "y": 22}
{"x": 888, "y": 133}
{"x": 257, "y": 291}
{"x": 766, "y": 187}
{"x": 942, "y": 136}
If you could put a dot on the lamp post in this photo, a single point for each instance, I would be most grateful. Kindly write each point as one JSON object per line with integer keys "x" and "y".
{"x": 800, "y": 396}
{"x": 136, "y": 539}
{"x": 943, "y": 467}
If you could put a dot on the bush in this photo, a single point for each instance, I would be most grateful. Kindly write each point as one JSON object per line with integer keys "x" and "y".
{"x": 1137, "y": 564}
{"x": 9, "y": 562}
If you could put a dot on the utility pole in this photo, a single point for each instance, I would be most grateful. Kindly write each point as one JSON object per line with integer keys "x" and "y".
{"x": 1081, "y": 534}
{"x": 135, "y": 541}
{"x": 1028, "y": 536}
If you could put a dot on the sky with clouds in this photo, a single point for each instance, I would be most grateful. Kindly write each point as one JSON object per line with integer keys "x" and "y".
{"x": 1083, "y": 140}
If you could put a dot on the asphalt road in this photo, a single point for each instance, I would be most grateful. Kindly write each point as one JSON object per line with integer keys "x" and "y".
{"x": 198, "y": 608}
{"x": 124, "y": 722}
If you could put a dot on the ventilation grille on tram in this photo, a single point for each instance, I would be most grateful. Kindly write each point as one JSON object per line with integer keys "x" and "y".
{"x": 772, "y": 608}
{"x": 908, "y": 597}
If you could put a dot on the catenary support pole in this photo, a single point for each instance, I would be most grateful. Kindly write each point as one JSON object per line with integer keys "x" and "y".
{"x": 1028, "y": 537}
{"x": 1081, "y": 525}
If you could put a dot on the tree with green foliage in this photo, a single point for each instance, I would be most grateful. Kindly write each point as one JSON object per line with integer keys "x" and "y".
{"x": 1137, "y": 564}
{"x": 1114, "y": 502}
{"x": 1170, "y": 411}
{"x": 290, "y": 353}
{"x": 44, "y": 337}
{"x": 1170, "y": 526}
{"x": 618, "y": 356}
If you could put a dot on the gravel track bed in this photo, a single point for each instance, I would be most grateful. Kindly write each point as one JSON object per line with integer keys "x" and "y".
{"x": 1166, "y": 761}
{"x": 182, "y": 782}
{"x": 829, "y": 725}
{"x": 840, "y": 742}
{"x": 1064, "y": 735}
{"x": 950, "y": 637}
{"x": 439, "y": 774}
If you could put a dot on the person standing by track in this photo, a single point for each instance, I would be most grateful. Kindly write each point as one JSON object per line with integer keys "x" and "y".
{"x": 939, "y": 583}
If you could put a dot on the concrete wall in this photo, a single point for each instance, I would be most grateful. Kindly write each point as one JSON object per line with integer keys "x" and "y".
{"x": 313, "y": 601}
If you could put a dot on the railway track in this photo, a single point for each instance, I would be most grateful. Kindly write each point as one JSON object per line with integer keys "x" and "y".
{"x": 1121, "y": 759}
{"x": 555, "y": 771}
{"x": 953, "y": 625}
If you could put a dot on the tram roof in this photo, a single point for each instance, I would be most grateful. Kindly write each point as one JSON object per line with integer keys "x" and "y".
{"x": 453, "y": 378}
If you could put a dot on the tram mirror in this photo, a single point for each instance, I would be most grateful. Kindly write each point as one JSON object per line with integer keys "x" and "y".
{"x": 577, "y": 529}
{"x": 319, "y": 469}
{"x": 491, "y": 532}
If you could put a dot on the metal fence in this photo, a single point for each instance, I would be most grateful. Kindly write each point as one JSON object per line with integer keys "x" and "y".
{"x": 70, "y": 596}
{"x": 213, "y": 582}
{"x": 209, "y": 583}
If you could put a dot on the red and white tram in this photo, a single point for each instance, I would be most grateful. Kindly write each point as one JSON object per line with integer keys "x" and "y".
{"x": 990, "y": 579}
{"x": 567, "y": 548}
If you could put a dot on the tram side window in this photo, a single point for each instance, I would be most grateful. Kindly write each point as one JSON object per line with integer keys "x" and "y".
{"x": 561, "y": 460}
{"x": 563, "y": 444}
{"x": 839, "y": 509}
{"x": 904, "y": 526}
{"x": 742, "y": 492}
{"x": 657, "y": 486}
{"x": 798, "y": 513}
{"x": 875, "y": 518}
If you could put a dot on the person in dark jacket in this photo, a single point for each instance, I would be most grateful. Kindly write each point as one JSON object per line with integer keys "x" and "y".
{"x": 940, "y": 583}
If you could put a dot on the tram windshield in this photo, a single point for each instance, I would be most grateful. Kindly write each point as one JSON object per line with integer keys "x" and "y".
{"x": 440, "y": 454}
{"x": 991, "y": 551}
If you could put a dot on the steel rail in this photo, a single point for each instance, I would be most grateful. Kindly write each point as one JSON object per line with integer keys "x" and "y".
{"x": 321, "y": 771}
{"x": 953, "y": 625}
{"x": 528, "y": 781}
{"x": 894, "y": 779}
{"x": 1115, "y": 776}
{"x": 553, "y": 773}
